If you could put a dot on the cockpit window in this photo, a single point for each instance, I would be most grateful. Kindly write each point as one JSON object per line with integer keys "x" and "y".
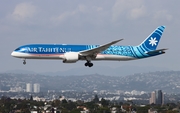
{"x": 17, "y": 49}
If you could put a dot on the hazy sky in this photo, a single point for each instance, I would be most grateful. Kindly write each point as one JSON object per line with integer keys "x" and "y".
{"x": 87, "y": 22}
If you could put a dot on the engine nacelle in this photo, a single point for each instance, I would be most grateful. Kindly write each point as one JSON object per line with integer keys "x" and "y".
{"x": 71, "y": 57}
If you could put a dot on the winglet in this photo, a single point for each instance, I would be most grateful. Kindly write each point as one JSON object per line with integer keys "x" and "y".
{"x": 116, "y": 41}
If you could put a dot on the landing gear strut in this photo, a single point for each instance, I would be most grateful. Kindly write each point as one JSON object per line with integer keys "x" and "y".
{"x": 88, "y": 64}
{"x": 24, "y": 61}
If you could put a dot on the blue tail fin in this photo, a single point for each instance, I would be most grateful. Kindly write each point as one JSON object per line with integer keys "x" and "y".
{"x": 152, "y": 41}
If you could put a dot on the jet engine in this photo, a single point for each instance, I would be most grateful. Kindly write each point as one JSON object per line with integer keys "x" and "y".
{"x": 71, "y": 57}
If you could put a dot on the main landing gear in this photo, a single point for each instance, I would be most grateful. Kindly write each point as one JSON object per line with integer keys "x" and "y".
{"x": 24, "y": 61}
{"x": 88, "y": 64}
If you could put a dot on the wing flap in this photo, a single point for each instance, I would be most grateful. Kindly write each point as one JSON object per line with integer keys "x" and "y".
{"x": 97, "y": 50}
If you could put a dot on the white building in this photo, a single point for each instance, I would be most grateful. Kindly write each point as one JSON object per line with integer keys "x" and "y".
{"x": 16, "y": 89}
{"x": 152, "y": 100}
{"x": 28, "y": 87}
{"x": 36, "y": 88}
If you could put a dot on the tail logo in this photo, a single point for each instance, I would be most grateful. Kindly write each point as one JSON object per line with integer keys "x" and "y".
{"x": 153, "y": 41}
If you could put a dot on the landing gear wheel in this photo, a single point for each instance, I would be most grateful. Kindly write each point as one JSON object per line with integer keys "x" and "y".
{"x": 88, "y": 64}
{"x": 24, "y": 62}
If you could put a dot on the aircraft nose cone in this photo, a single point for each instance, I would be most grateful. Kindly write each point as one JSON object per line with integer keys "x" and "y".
{"x": 12, "y": 54}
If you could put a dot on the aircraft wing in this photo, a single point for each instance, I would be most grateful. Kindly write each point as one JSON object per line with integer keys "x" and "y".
{"x": 97, "y": 50}
{"x": 156, "y": 51}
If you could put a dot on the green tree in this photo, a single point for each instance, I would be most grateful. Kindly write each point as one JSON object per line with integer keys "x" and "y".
{"x": 96, "y": 99}
{"x": 64, "y": 101}
{"x": 104, "y": 102}
{"x": 31, "y": 98}
{"x": 75, "y": 111}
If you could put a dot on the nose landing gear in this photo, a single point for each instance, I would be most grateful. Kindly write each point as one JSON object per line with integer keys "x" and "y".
{"x": 24, "y": 61}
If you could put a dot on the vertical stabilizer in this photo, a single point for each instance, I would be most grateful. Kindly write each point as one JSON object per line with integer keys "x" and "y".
{"x": 152, "y": 41}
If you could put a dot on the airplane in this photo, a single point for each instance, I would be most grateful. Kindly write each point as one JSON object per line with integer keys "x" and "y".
{"x": 73, "y": 53}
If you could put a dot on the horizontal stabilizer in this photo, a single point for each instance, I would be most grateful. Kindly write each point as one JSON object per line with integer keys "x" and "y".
{"x": 159, "y": 51}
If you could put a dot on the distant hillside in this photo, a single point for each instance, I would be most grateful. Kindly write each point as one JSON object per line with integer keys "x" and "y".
{"x": 168, "y": 81}
{"x": 102, "y": 70}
